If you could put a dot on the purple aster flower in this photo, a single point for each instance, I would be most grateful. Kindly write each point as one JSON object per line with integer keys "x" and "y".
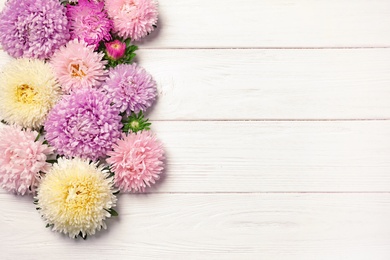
{"x": 89, "y": 22}
{"x": 130, "y": 88}
{"x": 83, "y": 124}
{"x": 33, "y": 28}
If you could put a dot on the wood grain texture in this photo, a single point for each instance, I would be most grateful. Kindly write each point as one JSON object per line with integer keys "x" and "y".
{"x": 271, "y": 23}
{"x": 275, "y": 156}
{"x": 270, "y": 84}
{"x": 275, "y": 116}
{"x": 206, "y": 226}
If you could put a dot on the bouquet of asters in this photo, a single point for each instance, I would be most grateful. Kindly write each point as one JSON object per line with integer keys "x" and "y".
{"x": 73, "y": 134}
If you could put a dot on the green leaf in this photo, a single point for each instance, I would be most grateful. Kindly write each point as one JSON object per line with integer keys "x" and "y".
{"x": 49, "y": 225}
{"x": 128, "y": 41}
{"x": 133, "y": 48}
{"x": 111, "y": 175}
{"x": 81, "y": 235}
{"x": 52, "y": 161}
{"x": 38, "y": 136}
{"x": 112, "y": 212}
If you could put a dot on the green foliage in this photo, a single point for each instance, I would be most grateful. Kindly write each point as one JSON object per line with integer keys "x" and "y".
{"x": 66, "y": 2}
{"x": 135, "y": 123}
{"x": 128, "y": 56}
{"x": 112, "y": 212}
{"x": 49, "y": 225}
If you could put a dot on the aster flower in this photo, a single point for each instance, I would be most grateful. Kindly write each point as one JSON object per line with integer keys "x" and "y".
{"x": 33, "y": 28}
{"x": 28, "y": 90}
{"x": 130, "y": 88}
{"x": 137, "y": 161}
{"x": 89, "y": 22}
{"x": 115, "y": 49}
{"x": 22, "y": 158}
{"x": 135, "y": 123}
{"x": 77, "y": 66}
{"x": 75, "y": 197}
{"x": 118, "y": 52}
{"x": 83, "y": 124}
{"x": 132, "y": 18}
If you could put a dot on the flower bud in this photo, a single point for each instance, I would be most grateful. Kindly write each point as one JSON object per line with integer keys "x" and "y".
{"x": 115, "y": 49}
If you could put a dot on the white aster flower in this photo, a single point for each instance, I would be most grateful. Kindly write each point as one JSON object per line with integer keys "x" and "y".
{"x": 75, "y": 197}
{"x": 28, "y": 90}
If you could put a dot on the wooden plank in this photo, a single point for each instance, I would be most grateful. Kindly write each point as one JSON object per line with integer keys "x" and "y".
{"x": 266, "y": 23}
{"x": 275, "y": 156}
{"x": 271, "y": 23}
{"x": 270, "y": 84}
{"x": 209, "y": 226}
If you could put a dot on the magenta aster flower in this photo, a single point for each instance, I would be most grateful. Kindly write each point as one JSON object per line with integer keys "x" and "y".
{"x": 130, "y": 88}
{"x": 83, "y": 124}
{"x": 77, "y": 66}
{"x": 137, "y": 161}
{"x": 115, "y": 49}
{"x": 133, "y": 18}
{"x": 21, "y": 159}
{"x": 33, "y": 28}
{"x": 89, "y": 22}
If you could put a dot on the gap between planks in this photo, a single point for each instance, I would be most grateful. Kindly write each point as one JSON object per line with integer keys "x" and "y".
{"x": 271, "y": 120}
{"x": 264, "y": 48}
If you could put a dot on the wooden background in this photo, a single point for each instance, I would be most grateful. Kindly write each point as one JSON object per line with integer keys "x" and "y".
{"x": 275, "y": 115}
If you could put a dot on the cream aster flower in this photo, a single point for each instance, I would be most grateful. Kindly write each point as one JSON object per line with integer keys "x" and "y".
{"x": 75, "y": 197}
{"x": 28, "y": 90}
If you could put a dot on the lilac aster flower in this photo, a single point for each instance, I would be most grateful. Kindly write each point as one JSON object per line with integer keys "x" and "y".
{"x": 89, "y": 22}
{"x": 33, "y": 28}
{"x": 83, "y": 124}
{"x": 130, "y": 88}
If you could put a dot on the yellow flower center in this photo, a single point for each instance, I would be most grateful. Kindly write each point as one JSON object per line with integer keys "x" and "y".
{"x": 25, "y": 94}
{"x": 134, "y": 124}
{"x": 80, "y": 197}
{"x": 77, "y": 70}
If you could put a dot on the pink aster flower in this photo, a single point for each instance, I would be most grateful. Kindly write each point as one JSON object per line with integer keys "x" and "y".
{"x": 21, "y": 159}
{"x": 130, "y": 88}
{"x": 115, "y": 49}
{"x": 132, "y": 18}
{"x": 77, "y": 66}
{"x": 137, "y": 161}
{"x": 89, "y": 22}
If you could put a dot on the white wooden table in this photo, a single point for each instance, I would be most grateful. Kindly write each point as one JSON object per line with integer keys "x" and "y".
{"x": 275, "y": 115}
